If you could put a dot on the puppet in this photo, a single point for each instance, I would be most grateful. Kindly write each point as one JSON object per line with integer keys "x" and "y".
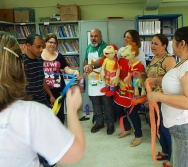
{"x": 135, "y": 69}
{"x": 110, "y": 70}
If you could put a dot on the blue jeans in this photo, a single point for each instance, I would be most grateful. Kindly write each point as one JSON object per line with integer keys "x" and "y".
{"x": 180, "y": 145}
{"x": 134, "y": 117}
{"x": 103, "y": 104}
{"x": 165, "y": 137}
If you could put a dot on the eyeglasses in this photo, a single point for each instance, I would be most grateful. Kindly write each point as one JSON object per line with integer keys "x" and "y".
{"x": 51, "y": 42}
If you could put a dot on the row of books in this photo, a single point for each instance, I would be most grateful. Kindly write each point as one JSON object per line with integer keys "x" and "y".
{"x": 24, "y": 31}
{"x": 9, "y": 29}
{"x": 72, "y": 61}
{"x": 146, "y": 47}
{"x": 149, "y": 27}
{"x": 62, "y": 31}
{"x": 68, "y": 47}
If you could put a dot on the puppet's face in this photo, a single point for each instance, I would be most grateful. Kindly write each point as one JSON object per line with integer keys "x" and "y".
{"x": 110, "y": 52}
{"x": 127, "y": 52}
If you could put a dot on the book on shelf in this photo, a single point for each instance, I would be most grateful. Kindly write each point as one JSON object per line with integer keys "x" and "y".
{"x": 68, "y": 47}
{"x": 149, "y": 27}
{"x": 66, "y": 31}
{"x": 72, "y": 61}
{"x": 157, "y": 27}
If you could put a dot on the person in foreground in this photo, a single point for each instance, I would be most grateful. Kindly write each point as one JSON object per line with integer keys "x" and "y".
{"x": 174, "y": 100}
{"x": 24, "y": 125}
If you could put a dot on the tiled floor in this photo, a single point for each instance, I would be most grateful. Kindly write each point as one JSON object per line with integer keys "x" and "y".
{"x": 104, "y": 150}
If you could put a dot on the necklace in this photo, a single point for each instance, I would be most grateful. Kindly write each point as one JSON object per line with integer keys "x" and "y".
{"x": 181, "y": 62}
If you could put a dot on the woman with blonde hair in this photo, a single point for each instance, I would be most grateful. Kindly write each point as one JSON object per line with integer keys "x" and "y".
{"x": 28, "y": 127}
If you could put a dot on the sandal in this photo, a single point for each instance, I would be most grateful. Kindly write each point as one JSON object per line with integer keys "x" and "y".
{"x": 166, "y": 164}
{"x": 125, "y": 133}
{"x": 161, "y": 156}
{"x": 136, "y": 142}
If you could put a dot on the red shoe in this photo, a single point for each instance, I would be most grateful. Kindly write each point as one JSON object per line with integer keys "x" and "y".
{"x": 165, "y": 164}
{"x": 161, "y": 156}
{"x": 105, "y": 89}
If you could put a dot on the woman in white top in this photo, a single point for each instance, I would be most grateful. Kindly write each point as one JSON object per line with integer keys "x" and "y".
{"x": 174, "y": 99}
{"x": 28, "y": 127}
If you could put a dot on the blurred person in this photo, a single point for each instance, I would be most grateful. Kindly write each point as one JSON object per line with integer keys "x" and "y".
{"x": 28, "y": 127}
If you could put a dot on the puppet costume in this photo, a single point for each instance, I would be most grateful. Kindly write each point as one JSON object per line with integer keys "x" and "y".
{"x": 123, "y": 96}
{"x": 110, "y": 70}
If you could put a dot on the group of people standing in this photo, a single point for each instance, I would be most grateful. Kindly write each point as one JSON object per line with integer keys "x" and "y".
{"x": 161, "y": 63}
{"x": 42, "y": 67}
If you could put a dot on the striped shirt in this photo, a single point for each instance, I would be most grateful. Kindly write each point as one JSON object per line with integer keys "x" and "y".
{"x": 35, "y": 75}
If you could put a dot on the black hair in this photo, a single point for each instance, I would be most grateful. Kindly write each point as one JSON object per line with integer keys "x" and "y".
{"x": 181, "y": 34}
{"x": 163, "y": 39}
{"x": 135, "y": 36}
{"x": 30, "y": 38}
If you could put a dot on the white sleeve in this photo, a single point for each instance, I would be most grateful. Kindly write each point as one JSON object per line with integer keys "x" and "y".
{"x": 183, "y": 69}
{"x": 49, "y": 137}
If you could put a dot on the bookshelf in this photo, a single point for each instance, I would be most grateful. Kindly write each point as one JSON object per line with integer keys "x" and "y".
{"x": 67, "y": 33}
{"x": 22, "y": 30}
{"x": 7, "y": 27}
{"x": 148, "y": 25}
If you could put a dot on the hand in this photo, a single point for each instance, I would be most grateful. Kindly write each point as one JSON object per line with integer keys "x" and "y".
{"x": 73, "y": 99}
{"x": 153, "y": 96}
{"x": 76, "y": 73}
{"x": 115, "y": 80}
{"x": 151, "y": 81}
{"x": 82, "y": 75}
{"x": 88, "y": 68}
{"x": 137, "y": 74}
{"x": 52, "y": 100}
{"x": 152, "y": 74}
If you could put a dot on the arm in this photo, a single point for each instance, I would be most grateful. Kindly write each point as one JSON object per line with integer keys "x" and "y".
{"x": 97, "y": 64}
{"x": 68, "y": 70}
{"x": 115, "y": 80}
{"x": 76, "y": 151}
{"x": 48, "y": 92}
{"x": 176, "y": 101}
